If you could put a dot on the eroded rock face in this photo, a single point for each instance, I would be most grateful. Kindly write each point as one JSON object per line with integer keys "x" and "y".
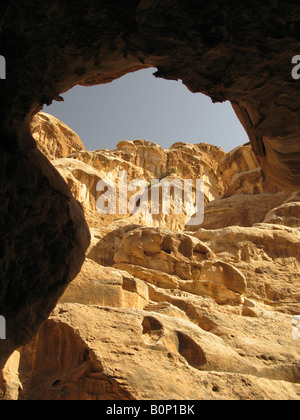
{"x": 148, "y": 162}
{"x": 268, "y": 256}
{"x": 249, "y": 196}
{"x": 191, "y": 265}
{"x": 241, "y": 173}
{"x": 214, "y": 307}
{"x": 235, "y": 52}
{"x": 288, "y": 214}
{"x": 98, "y": 285}
{"x": 152, "y": 307}
{"x": 54, "y": 138}
{"x": 157, "y": 356}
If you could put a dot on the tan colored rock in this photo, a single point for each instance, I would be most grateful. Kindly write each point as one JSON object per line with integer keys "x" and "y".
{"x": 82, "y": 180}
{"x": 54, "y": 138}
{"x": 199, "y": 161}
{"x": 240, "y": 210}
{"x": 240, "y": 160}
{"x": 248, "y": 195}
{"x": 172, "y": 253}
{"x": 148, "y": 356}
{"x": 250, "y": 182}
{"x": 97, "y": 285}
{"x": 10, "y": 383}
{"x": 214, "y": 302}
{"x": 143, "y": 154}
{"x": 241, "y": 173}
{"x": 269, "y": 258}
{"x": 146, "y": 161}
{"x": 158, "y": 278}
{"x": 44, "y": 238}
{"x": 288, "y": 214}
{"x": 106, "y": 240}
{"x": 186, "y": 264}
{"x": 127, "y": 354}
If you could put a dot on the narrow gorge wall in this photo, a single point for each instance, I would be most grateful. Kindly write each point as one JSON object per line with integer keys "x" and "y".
{"x": 164, "y": 312}
{"x": 236, "y": 52}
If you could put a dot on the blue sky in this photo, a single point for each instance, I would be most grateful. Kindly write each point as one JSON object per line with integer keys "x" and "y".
{"x": 140, "y": 106}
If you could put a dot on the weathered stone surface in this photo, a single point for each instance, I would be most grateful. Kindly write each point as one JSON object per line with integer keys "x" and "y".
{"x": 10, "y": 383}
{"x": 82, "y": 180}
{"x": 236, "y": 52}
{"x": 156, "y": 356}
{"x": 240, "y": 210}
{"x": 241, "y": 174}
{"x": 240, "y": 160}
{"x": 288, "y": 214}
{"x": 142, "y": 160}
{"x": 249, "y": 197}
{"x": 268, "y": 256}
{"x": 97, "y": 285}
{"x": 213, "y": 307}
{"x": 171, "y": 260}
{"x": 54, "y": 138}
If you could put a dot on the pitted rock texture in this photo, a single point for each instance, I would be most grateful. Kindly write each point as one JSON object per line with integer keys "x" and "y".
{"x": 171, "y": 314}
{"x": 234, "y": 51}
{"x": 146, "y": 161}
{"x": 249, "y": 196}
{"x": 123, "y": 354}
{"x": 54, "y": 138}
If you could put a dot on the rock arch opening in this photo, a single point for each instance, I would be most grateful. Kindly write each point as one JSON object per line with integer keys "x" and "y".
{"x": 140, "y": 106}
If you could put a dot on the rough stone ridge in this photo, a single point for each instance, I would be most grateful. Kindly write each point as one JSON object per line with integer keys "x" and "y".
{"x": 167, "y": 313}
{"x": 54, "y": 138}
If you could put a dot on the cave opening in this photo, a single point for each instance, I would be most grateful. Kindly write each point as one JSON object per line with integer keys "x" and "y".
{"x": 140, "y": 106}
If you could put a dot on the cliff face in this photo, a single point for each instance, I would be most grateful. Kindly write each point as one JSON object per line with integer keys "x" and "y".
{"x": 160, "y": 311}
{"x": 53, "y": 137}
{"x": 236, "y": 52}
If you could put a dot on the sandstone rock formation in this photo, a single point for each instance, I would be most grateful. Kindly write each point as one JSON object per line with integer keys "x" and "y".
{"x": 287, "y": 214}
{"x": 249, "y": 196}
{"x": 54, "y": 138}
{"x": 145, "y": 161}
{"x": 241, "y": 173}
{"x": 236, "y": 52}
{"x": 267, "y": 255}
{"x": 162, "y": 313}
{"x": 123, "y": 354}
